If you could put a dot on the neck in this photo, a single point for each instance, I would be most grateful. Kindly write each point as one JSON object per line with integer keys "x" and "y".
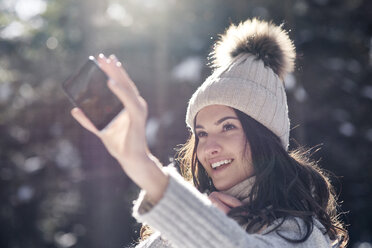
{"x": 241, "y": 190}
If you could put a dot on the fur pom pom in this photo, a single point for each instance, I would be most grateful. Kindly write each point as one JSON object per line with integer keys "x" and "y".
{"x": 266, "y": 41}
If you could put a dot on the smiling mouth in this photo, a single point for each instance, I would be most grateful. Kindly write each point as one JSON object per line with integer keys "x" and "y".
{"x": 219, "y": 163}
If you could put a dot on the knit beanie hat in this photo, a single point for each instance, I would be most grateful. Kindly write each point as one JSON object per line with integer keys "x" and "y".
{"x": 250, "y": 62}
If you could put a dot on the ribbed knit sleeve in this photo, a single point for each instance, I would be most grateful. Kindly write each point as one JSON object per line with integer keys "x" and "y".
{"x": 154, "y": 241}
{"x": 187, "y": 218}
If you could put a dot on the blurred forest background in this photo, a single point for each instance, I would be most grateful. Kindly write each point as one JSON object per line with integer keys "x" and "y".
{"x": 60, "y": 188}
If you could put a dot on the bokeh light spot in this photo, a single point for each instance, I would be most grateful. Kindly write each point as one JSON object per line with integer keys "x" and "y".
{"x": 347, "y": 129}
{"x": 33, "y": 164}
{"x": 52, "y": 43}
{"x": 188, "y": 70}
{"x": 290, "y": 82}
{"x": 65, "y": 239}
{"x": 25, "y": 193}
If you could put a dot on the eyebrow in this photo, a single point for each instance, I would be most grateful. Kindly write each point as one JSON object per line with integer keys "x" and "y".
{"x": 219, "y": 121}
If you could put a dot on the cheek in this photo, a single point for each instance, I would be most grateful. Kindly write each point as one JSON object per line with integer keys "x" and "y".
{"x": 200, "y": 157}
{"x": 244, "y": 149}
{"x": 199, "y": 153}
{"x": 238, "y": 143}
{"x": 247, "y": 160}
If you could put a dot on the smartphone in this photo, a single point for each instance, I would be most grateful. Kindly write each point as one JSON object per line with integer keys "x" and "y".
{"x": 87, "y": 89}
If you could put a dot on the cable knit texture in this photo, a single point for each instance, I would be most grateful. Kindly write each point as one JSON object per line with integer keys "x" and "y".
{"x": 187, "y": 218}
{"x": 241, "y": 190}
{"x": 154, "y": 241}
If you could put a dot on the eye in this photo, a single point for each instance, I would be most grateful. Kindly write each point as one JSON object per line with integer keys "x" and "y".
{"x": 228, "y": 126}
{"x": 201, "y": 134}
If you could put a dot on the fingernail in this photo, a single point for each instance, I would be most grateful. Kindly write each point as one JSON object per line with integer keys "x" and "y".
{"x": 101, "y": 55}
{"x": 112, "y": 56}
{"x": 118, "y": 64}
{"x": 74, "y": 111}
{"x": 108, "y": 61}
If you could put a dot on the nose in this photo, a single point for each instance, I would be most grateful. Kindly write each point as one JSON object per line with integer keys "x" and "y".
{"x": 212, "y": 146}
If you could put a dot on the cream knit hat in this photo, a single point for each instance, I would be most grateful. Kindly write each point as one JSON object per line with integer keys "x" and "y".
{"x": 250, "y": 62}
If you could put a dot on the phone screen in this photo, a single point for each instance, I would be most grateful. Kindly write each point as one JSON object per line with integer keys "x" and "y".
{"x": 88, "y": 90}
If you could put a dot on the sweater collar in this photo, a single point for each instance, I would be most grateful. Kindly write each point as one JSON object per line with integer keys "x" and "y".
{"x": 241, "y": 190}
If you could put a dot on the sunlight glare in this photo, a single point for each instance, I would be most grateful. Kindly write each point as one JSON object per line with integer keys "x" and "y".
{"x": 13, "y": 30}
{"x": 26, "y": 9}
{"x": 118, "y": 13}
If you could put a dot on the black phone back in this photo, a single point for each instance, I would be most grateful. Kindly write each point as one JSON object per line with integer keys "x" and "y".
{"x": 88, "y": 90}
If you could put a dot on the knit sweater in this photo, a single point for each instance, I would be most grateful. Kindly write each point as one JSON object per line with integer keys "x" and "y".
{"x": 186, "y": 218}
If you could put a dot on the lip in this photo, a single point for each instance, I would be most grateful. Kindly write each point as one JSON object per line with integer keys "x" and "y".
{"x": 219, "y": 171}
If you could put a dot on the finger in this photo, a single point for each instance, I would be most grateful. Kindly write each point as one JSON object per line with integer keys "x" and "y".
{"x": 130, "y": 101}
{"x": 220, "y": 205}
{"x": 122, "y": 72}
{"x": 115, "y": 70}
{"x": 122, "y": 86}
{"x": 113, "y": 58}
{"x": 80, "y": 117}
{"x": 228, "y": 200}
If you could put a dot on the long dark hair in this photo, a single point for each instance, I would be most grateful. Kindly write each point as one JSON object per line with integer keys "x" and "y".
{"x": 287, "y": 184}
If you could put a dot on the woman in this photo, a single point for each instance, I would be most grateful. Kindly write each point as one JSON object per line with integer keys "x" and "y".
{"x": 259, "y": 195}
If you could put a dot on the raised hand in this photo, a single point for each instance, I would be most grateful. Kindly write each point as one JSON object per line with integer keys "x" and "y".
{"x": 125, "y": 137}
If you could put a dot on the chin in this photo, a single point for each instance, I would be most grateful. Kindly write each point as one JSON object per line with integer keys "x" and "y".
{"x": 223, "y": 186}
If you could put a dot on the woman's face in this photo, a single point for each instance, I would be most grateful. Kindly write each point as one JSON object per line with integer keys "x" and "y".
{"x": 222, "y": 148}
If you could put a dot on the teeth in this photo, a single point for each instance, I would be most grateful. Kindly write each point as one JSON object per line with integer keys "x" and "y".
{"x": 217, "y": 164}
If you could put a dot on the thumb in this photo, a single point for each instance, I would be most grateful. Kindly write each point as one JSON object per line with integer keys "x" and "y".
{"x": 223, "y": 201}
{"x": 228, "y": 200}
